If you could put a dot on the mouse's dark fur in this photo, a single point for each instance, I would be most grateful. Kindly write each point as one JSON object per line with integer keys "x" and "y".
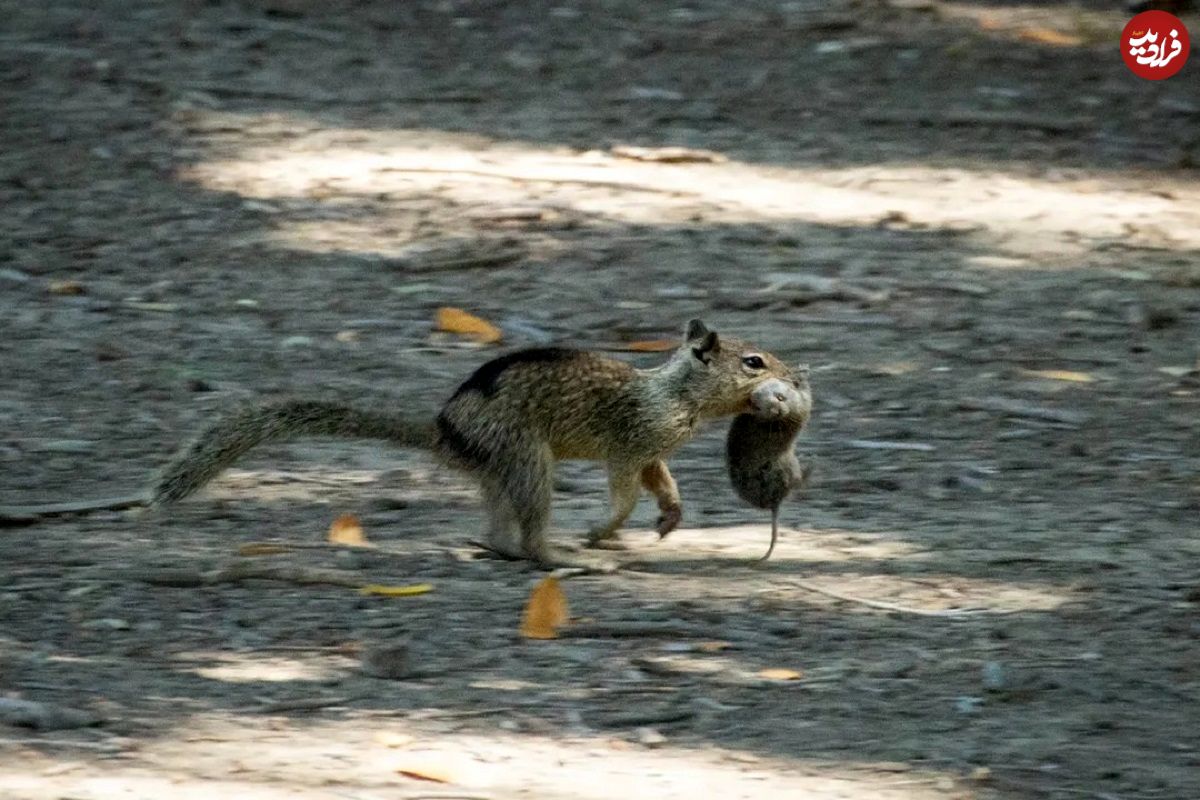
{"x": 759, "y": 450}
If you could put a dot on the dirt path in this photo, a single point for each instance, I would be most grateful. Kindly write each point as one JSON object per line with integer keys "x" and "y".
{"x": 974, "y": 224}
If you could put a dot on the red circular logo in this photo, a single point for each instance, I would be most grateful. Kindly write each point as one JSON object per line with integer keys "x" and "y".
{"x": 1155, "y": 45}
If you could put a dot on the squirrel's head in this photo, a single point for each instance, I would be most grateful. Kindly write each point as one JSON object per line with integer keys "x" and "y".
{"x": 724, "y": 372}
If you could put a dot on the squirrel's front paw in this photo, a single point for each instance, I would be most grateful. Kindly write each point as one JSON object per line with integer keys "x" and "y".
{"x": 669, "y": 520}
{"x": 605, "y": 538}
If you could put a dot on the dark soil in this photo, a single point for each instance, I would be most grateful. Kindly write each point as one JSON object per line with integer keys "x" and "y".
{"x": 976, "y": 225}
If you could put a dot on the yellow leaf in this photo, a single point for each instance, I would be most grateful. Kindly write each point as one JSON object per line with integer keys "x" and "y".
{"x": 646, "y": 346}
{"x": 66, "y": 287}
{"x": 379, "y": 590}
{"x": 455, "y": 320}
{"x": 780, "y": 674}
{"x": 713, "y": 647}
{"x": 347, "y": 530}
{"x": 1059, "y": 375}
{"x": 1050, "y": 36}
{"x": 546, "y": 610}
{"x": 262, "y": 549}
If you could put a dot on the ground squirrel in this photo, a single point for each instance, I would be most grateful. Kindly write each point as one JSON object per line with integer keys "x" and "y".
{"x": 518, "y": 414}
{"x": 759, "y": 449}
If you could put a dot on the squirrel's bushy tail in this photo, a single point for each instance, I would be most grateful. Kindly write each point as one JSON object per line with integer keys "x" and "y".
{"x": 238, "y": 432}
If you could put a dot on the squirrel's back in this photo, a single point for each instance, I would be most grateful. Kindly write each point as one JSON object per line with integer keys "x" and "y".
{"x": 579, "y": 404}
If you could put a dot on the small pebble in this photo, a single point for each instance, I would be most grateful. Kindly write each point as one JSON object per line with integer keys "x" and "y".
{"x": 649, "y": 737}
{"x": 968, "y": 705}
{"x": 993, "y": 676}
{"x": 390, "y": 662}
{"x": 106, "y": 623}
{"x": 14, "y": 276}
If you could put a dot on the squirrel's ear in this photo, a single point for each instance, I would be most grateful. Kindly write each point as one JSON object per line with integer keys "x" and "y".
{"x": 802, "y": 370}
{"x": 696, "y": 330}
{"x": 702, "y": 341}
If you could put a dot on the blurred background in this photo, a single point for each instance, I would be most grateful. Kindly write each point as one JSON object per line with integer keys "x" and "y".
{"x": 978, "y": 227}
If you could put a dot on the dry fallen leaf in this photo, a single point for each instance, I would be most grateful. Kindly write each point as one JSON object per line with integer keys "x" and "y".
{"x": 66, "y": 287}
{"x": 425, "y": 770}
{"x": 546, "y": 610}
{"x": 262, "y": 549}
{"x": 379, "y": 590}
{"x": 780, "y": 674}
{"x": 455, "y": 320}
{"x": 1059, "y": 375}
{"x": 513, "y": 214}
{"x": 347, "y": 530}
{"x": 646, "y": 346}
{"x": 1050, "y": 36}
{"x": 669, "y": 155}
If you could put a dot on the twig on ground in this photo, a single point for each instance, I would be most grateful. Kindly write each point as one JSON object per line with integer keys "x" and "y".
{"x": 1044, "y": 122}
{"x": 482, "y": 260}
{"x": 638, "y": 719}
{"x": 438, "y": 713}
{"x": 276, "y": 26}
{"x": 872, "y": 444}
{"x": 518, "y": 178}
{"x": 625, "y": 630}
{"x": 246, "y": 571}
{"x": 310, "y": 96}
{"x": 884, "y": 606}
{"x": 302, "y": 704}
{"x": 27, "y": 515}
{"x": 1017, "y": 408}
{"x": 952, "y": 287}
{"x": 107, "y": 747}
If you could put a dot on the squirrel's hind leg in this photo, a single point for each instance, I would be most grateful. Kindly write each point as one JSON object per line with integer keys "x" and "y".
{"x": 624, "y": 486}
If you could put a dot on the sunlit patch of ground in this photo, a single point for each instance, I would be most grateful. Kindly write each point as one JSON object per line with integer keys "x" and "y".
{"x": 242, "y": 668}
{"x": 266, "y": 759}
{"x": 1055, "y": 217}
{"x": 841, "y": 562}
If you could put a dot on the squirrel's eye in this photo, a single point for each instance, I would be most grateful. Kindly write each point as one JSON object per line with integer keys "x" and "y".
{"x": 753, "y": 362}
